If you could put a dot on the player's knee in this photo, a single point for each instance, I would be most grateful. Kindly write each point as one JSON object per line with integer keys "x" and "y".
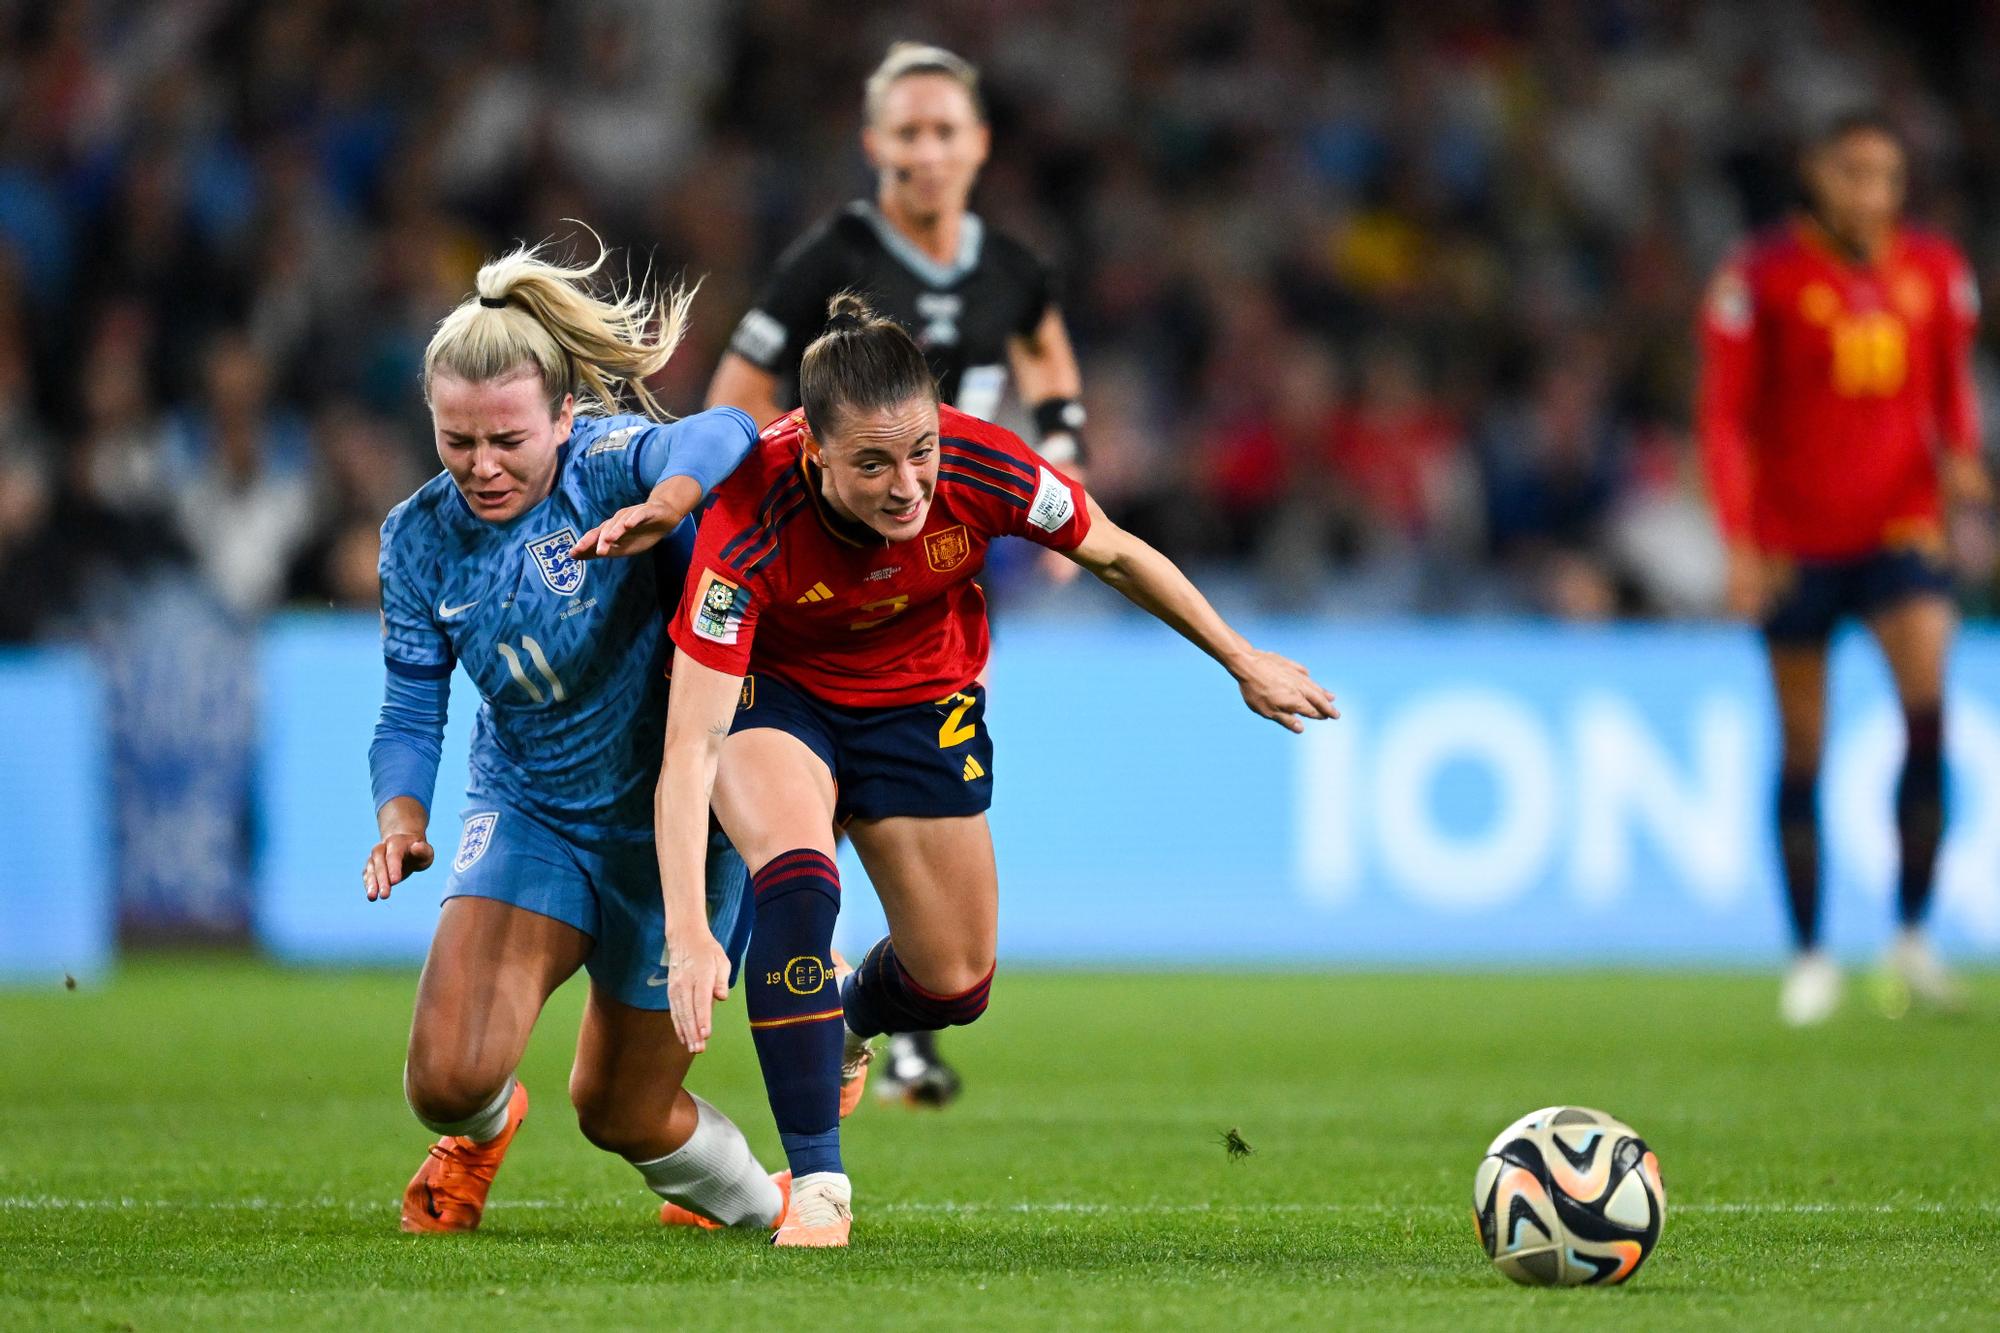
{"x": 959, "y": 999}
{"x": 444, "y": 1093}
{"x": 603, "y": 1122}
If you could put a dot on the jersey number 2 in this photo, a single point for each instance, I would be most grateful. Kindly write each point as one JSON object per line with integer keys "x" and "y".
{"x": 956, "y": 730}
{"x": 541, "y": 662}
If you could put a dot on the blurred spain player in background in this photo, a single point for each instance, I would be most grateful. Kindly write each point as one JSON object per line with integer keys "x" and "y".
{"x": 482, "y": 568}
{"x": 980, "y": 304}
{"x": 1838, "y": 424}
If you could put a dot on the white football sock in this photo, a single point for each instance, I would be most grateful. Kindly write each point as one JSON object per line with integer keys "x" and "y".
{"x": 715, "y": 1174}
{"x": 481, "y": 1126}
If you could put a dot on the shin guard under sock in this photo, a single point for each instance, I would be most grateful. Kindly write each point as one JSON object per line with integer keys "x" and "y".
{"x": 1798, "y": 847}
{"x": 794, "y": 1006}
{"x": 1920, "y": 812}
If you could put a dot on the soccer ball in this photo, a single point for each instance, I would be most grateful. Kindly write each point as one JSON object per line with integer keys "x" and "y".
{"x": 1567, "y": 1196}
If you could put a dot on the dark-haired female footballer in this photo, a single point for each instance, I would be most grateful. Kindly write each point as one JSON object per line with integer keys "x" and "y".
{"x": 1838, "y": 418}
{"x": 829, "y": 644}
{"x": 980, "y": 303}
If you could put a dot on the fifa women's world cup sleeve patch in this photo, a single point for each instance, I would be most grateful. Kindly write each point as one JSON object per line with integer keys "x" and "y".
{"x": 718, "y": 609}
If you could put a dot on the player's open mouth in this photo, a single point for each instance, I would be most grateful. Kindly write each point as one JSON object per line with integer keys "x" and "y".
{"x": 491, "y": 499}
{"x": 904, "y": 515}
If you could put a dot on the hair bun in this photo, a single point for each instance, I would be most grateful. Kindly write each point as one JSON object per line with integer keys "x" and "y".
{"x": 846, "y": 321}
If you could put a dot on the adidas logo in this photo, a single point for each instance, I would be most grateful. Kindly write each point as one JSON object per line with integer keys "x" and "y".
{"x": 819, "y": 592}
{"x": 972, "y": 769}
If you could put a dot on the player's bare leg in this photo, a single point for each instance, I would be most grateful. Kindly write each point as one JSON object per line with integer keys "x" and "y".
{"x": 628, "y": 1089}
{"x": 940, "y": 892}
{"x": 775, "y": 799}
{"x": 491, "y": 968}
{"x": 1916, "y": 636}
{"x": 1811, "y": 990}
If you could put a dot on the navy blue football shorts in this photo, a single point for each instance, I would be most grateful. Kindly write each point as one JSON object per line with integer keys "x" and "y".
{"x": 1818, "y": 593}
{"x": 930, "y": 760}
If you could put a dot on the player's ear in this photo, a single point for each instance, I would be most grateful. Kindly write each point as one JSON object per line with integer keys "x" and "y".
{"x": 811, "y": 444}
{"x": 565, "y": 418}
{"x": 870, "y": 148}
{"x": 982, "y": 143}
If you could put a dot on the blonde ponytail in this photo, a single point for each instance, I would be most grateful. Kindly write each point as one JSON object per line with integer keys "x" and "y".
{"x": 527, "y": 311}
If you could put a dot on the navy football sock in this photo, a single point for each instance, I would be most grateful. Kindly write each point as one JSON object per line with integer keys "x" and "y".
{"x": 1798, "y": 846}
{"x": 882, "y": 997}
{"x": 794, "y": 1006}
{"x": 1920, "y": 811}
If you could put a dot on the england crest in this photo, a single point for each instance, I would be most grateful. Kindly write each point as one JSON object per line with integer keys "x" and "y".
{"x": 474, "y": 841}
{"x": 551, "y": 555}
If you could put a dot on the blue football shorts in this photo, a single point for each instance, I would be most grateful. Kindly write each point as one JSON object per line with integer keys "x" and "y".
{"x": 609, "y": 890}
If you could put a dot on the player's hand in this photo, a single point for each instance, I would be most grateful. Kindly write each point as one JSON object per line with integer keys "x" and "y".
{"x": 1966, "y": 482}
{"x": 697, "y": 976}
{"x": 1282, "y": 690}
{"x": 1747, "y": 584}
{"x": 631, "y": 530}
{"x": 395, "y": 858}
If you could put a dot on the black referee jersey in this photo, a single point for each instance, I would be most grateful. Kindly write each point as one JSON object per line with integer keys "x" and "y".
{"x": 961, "y": 313}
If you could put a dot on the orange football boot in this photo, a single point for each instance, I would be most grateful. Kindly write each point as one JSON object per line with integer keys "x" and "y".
{"x": 855, "y": 1052}
{"x": 820, "y": 1213}
{"x": 448, "y": 1193}
{"x": 673, "y": 1215}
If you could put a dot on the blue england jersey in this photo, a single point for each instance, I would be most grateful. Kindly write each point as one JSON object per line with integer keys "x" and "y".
{"x": 568, "y": 657}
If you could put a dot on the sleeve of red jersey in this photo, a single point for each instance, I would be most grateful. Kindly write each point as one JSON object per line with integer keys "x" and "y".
{"x": 717, "y": 615}
{"x": 1011, "y": 485}
{"x": 1725, "y": 399}
{"x": 1958, "y": 397}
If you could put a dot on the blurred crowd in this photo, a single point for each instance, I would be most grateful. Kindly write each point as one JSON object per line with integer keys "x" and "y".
{"x": 1382, "y": 308}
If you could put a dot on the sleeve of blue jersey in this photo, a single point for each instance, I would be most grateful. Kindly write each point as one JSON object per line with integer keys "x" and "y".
{"x": 409, "y": 737}
{"x": 412, "y": 644}
{"x": 707, "y": 446}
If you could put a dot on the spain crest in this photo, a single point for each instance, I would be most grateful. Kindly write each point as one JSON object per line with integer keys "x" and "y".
{"x": 946, "y": 551}
{"x": 551, "y": 555}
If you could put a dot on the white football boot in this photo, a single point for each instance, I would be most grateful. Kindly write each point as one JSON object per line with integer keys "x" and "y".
{"x": 1912, "y": 964}
{"x": 1811, "y": 991}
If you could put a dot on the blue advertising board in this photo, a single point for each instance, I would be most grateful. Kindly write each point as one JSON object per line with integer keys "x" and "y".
{"x": 56, "y": 911}
{"x": 1494, "y": 796}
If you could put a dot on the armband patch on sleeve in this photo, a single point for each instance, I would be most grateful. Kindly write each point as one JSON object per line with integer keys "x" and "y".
{"x": 1053, "y": 503}
{"x": 1729, "y": 304}
{"x": 613, "y": 442}
{"x": 1964, "y": 294}
{"x": 759, "y": 338}
{"x": 717, "y": 613}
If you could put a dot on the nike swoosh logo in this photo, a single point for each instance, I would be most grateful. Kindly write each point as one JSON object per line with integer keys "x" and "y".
{"x": 657, "y": 981}
{"x": 447, "y": 612}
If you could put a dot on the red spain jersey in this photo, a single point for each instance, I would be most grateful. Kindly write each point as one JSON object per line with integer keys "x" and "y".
{"x": 1829, "y": 386}
{"x": 780, "y": 584}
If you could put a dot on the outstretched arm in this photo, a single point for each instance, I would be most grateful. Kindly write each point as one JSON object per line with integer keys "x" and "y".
{"x": 681, "y": 462}
{"x": 1274, "y": 687}
{"x": 700, "y": 706}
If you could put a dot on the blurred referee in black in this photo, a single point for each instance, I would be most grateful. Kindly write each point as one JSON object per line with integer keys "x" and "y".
{"x": 980, "y": 304}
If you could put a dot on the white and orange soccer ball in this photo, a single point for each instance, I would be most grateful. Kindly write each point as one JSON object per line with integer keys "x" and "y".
{"x": 1568, "y": 1196}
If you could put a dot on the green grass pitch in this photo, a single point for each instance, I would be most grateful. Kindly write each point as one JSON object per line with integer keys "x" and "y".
{"x": 205, "y": 1145}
